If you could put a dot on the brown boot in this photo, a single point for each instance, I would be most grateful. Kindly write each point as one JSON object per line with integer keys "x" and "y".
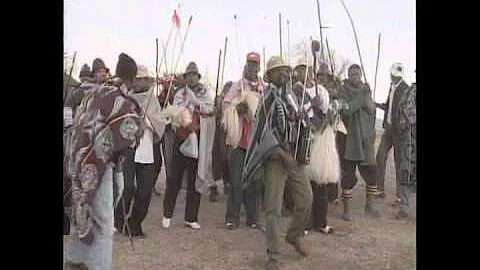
{"x": 369, "y": 209}
{"x": 299, "y": 246}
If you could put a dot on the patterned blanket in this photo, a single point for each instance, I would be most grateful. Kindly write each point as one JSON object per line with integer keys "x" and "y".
{"x": 107, "y": 122}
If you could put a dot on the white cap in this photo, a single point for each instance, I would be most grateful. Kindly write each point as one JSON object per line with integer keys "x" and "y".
{"x": 397, "y": 70}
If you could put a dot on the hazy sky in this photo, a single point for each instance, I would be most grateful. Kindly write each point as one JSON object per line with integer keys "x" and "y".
{"x": 105, "y": 28}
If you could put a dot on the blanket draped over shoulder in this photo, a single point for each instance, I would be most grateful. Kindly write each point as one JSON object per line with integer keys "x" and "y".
{"x": 107, "y": 122}
{"x": 203, "y": 101}
{"x": 153, "y": 111}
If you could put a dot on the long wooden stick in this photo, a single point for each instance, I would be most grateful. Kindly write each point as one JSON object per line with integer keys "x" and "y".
{"x": 376, "y": 66}
{"x": 224, "y": 58}
{"x": 280, "y": 32}
{"x": 321, "y": 32}
{"x": 183, "y": 43}
{"x": 218, "y": 74}
{"x": 356, "y": 40}
{"x": 330, "y": 57}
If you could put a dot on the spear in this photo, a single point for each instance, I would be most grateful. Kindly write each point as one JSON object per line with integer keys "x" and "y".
{"x": 376, "y": 66}
{"x": 280, "y": 32}
{"x": 224, "y": 56}
{"x": 356, "y": 39}
{"x": 288, "y": 41}
{"x": 183, "y": 43}
{"x": 264, "y": 59}
{"x": 218, "y": 74}
{"x": 156, "y": 67}
{"x": 165, "y": 47}
{"x": 321, "y": 33}
{"x": 332, "y": 64}
{"x": 178, "y": 58}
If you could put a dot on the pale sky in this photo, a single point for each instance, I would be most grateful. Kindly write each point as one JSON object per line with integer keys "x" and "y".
{"x": 105, "y": 28}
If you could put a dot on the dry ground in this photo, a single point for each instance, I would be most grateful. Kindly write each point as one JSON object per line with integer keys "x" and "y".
{"x": 364, "y": 243}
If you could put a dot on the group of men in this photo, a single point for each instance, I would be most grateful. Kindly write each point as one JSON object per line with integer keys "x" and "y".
{"x": 288, "y": 137}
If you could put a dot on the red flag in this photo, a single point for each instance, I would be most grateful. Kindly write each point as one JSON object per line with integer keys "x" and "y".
{"x": 176, "y": 19}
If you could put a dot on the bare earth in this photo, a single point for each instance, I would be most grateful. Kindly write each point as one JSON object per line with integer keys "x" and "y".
{"x": 365, "y": 243}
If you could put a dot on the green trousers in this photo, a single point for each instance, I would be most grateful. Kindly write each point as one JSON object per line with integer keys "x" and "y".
{"x": 277, "y": 177}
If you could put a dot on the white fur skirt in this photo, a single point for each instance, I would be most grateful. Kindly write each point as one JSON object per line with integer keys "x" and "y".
{"x": 324, "y": 166}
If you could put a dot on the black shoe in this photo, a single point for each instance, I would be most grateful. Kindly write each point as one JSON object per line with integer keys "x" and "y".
{"x": 253, "y": 226}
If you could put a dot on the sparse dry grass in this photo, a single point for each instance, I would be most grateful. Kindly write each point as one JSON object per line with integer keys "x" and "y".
{"x": 364, "y": 243}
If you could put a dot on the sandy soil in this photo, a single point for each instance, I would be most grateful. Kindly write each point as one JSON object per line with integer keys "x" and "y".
{"x": 365, "y": 243}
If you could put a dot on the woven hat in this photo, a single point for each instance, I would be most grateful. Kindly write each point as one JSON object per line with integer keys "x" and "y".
{"x": 192, "y": 68}
{"x": 98, "y": 64}
{"x": 143, "y": 72}
{"x": 85, "y": 71}
{"x": 276, "y": 62}
{"x": 397, "y": 70}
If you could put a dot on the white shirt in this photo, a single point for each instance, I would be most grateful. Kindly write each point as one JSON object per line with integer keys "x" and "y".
{"x": 144, "y": 152}
{"x": 393, "y": 87}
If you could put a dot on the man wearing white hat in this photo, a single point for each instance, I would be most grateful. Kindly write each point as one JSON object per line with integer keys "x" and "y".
{"x": 138, "y": 167}
{"x": 397, "y": 88}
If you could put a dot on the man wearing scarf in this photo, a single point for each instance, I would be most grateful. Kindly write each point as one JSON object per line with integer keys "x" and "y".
{"x": 138, "y": 164}
{"x": 397, "y": 88}
{"x": 195, "y": 98}
{"x": 240, "y": 104}
{"x": 107, "y": 123}
{"x": 272, "y": 147}
{"x": 356, "y": 148}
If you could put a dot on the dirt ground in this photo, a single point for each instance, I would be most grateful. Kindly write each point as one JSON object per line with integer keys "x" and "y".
{"x": 365, "y": 243}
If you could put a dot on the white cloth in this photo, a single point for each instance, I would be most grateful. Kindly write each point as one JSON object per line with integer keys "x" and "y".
{"x": 324, "y": 166}
{"x": 393, "y": 87}
{"x": 144, "y": 152}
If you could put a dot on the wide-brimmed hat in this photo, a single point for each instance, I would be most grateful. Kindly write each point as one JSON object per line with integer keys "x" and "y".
{"x": 397, "y": 70}
{"x": 276, "y": 62}
{"x": 143, "y": 72}
{"x": 192, "y": 68}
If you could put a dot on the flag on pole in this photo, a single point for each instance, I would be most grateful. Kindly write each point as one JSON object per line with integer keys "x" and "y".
{"x": 176, "y": 19}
